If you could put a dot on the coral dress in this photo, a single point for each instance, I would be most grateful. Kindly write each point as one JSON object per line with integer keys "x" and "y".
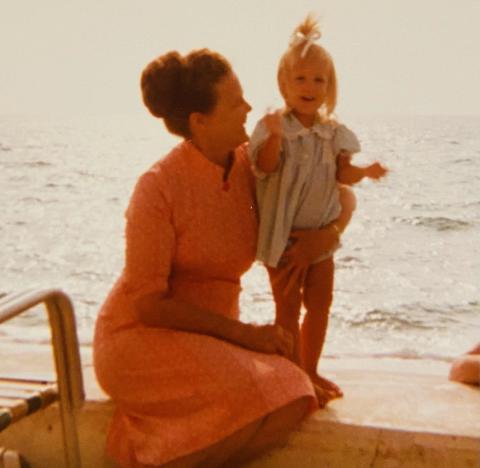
{"x": 178, "y": 392}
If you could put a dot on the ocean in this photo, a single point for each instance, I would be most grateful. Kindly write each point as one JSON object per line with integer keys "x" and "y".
{"x": 407, "y": 275}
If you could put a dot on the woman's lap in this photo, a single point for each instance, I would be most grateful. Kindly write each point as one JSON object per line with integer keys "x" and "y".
{"x": 178, "y": 392}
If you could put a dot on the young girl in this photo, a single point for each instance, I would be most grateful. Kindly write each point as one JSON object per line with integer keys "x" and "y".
{"x": 298, "y": 155}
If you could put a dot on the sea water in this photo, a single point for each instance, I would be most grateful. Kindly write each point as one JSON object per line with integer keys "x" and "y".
{"x": 407, "y": 275}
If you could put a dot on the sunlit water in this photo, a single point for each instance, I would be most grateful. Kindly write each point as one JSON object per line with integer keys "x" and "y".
{"x": 407, "y": 274}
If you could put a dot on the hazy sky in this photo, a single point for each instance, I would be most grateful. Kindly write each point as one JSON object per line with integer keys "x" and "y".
{"x": 392, "y": 56}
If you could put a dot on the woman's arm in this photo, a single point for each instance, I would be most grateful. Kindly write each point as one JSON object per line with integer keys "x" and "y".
{"x": 157, "y": 311}
{"x": 310, "y": 244}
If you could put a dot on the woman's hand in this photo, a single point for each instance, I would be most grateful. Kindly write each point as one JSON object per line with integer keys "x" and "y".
{"x": 308, "y": 245}
{"x": 270, "y": 339}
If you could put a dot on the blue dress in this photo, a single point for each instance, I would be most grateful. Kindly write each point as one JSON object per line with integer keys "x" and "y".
{"x": 303, "y": 192}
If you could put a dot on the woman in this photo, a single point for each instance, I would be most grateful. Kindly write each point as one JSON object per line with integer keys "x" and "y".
{"x": 194, "y": 386}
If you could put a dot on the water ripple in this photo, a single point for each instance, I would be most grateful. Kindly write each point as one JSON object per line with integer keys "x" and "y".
{"x": 439, "y": 223}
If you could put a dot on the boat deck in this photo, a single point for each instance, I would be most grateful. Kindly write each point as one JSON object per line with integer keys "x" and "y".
{"x": 395, "y": 413}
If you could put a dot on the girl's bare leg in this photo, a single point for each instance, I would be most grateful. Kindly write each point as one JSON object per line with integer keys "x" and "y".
{"x": 317, "y": 298}
{"x": 288, "y": 302}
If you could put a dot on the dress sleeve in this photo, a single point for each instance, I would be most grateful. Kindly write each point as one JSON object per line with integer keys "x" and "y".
{"x": 150, "y": 238}
{"x": 259, "y": 135}
{"x": 345, "y": 140}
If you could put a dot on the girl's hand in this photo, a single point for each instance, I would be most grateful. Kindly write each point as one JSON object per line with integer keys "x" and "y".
{"x": 270, "y": 339}
{"x": 273, "y": 122}
{"x": 376, "y": 171}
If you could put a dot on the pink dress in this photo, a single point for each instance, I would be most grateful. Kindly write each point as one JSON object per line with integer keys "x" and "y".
{"x": 178, "y": 392}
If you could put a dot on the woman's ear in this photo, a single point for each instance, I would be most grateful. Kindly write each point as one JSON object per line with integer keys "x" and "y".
{"x": 196, "y": 120}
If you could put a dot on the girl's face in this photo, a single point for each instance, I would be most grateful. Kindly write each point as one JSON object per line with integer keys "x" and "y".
{"x": 306, "y": 88}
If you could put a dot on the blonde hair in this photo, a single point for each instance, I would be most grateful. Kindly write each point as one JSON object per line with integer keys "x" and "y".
{"x": 302, "y": 47}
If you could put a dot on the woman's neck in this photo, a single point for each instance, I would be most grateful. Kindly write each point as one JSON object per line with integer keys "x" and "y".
{"x": 218, "y": 156}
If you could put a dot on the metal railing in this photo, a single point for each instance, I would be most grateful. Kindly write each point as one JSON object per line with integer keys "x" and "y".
{"x": 66, "y": 355}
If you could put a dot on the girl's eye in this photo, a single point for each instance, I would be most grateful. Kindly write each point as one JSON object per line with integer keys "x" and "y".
{"x": 320, "y": 80}
{"x": 300, "y": 78}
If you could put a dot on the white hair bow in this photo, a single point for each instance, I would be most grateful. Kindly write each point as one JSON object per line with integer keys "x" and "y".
{"x": 309, "y": 39}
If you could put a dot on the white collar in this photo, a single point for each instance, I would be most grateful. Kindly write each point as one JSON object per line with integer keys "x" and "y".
{"x": 292, "y": 128}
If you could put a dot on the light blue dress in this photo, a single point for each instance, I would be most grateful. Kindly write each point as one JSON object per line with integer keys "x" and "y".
{"x": 303, "y": 192}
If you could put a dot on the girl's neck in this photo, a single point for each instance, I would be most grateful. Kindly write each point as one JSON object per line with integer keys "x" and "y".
{"x": 307, "y": 120}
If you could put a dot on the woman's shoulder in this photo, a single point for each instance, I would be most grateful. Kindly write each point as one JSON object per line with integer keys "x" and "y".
{"x": 165, "y": 174}
{"x": 172, "y": 161}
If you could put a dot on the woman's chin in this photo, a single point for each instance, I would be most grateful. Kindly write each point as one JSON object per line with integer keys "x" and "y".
{"x": 242, "y": 137}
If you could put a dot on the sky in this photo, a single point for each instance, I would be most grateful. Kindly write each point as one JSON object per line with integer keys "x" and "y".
{"x": 391, "y": 56}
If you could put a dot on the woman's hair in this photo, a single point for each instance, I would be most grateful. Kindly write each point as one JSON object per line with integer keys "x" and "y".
{"x": 174, "y": 86}
{"x": 302, "y": 47}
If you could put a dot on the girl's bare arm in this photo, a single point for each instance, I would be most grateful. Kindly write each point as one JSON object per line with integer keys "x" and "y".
{"x": 349, "y": 174}
{"x": 269, "y": 153}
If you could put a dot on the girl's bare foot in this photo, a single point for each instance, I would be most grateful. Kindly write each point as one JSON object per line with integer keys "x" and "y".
{"x": 327, "y": 385}
{"x": 323, "y": 395}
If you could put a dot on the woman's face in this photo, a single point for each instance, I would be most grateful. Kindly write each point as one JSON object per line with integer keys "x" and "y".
{"x": 225, "y": 125}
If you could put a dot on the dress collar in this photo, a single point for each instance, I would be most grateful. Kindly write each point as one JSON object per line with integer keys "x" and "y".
{"x": 223, "y": 173}
{"x": 292, "y": 128}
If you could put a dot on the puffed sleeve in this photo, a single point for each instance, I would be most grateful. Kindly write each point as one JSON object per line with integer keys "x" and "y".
{"x": 345, "y": 140}
{"x": 150, "y": 237}
{"x": 259, "y": 135}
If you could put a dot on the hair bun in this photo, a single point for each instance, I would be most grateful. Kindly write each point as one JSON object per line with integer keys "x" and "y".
{"x": 160, "y": 84}
{"x": 175, "y": 86}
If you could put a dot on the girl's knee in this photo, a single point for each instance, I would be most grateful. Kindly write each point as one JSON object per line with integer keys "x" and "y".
{"x": 288, "y": 318}
{"x": 288, "y": 304}
{"x": 318, "y": 290}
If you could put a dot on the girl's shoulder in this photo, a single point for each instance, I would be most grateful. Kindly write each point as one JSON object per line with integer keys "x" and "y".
{"x": 344, "y": 138}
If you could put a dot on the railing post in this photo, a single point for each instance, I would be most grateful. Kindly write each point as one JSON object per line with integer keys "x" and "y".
{"x": 64, "y": 341}
{"x": 66, "y": 354}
